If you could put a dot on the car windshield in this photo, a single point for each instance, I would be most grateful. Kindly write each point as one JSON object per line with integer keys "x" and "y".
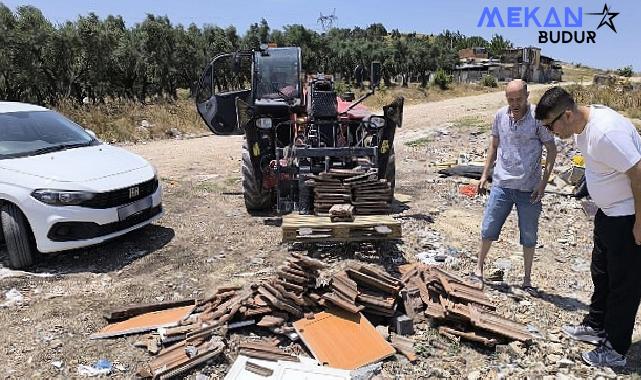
{"x": 28, "y": 133}
{"x": 277, "y": 74}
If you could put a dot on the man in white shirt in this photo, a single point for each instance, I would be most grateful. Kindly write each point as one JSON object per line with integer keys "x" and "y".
{"x": 612, "y": 150}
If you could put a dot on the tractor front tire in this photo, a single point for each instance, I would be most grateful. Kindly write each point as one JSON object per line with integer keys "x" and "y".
{"x": 256, "y": 198}
{"x": 18, "y": 236}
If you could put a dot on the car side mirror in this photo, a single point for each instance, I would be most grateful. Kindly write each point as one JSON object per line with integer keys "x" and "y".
{"x": 375, "y": 73}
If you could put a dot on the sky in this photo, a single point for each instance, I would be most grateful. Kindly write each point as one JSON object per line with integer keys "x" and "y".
{"x": 611, "y": 50}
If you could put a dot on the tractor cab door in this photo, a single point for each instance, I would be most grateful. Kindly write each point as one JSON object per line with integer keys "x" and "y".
{"x": 225, "y": 79}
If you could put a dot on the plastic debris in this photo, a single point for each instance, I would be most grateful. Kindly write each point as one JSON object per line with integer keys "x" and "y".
{"x": 13, "y": 297}
{"x": 99, "y": 368}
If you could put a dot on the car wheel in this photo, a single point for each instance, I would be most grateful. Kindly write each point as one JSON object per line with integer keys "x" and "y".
{"x": 17, "y": 236}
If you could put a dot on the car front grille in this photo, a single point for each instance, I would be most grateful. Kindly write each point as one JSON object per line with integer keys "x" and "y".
{"x": 122, "y": 196}
{"x": 75, "y": 231}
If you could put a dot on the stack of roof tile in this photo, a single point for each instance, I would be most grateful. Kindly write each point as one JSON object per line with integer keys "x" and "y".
{"x": 361, "y": 189}
{"x": 329, "y": 190}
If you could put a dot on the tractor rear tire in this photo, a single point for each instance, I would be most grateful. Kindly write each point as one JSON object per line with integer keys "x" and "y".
{"x": 390, "y": 173}
{"x": 18, "y": 236}
{"x": 256, "y": 198}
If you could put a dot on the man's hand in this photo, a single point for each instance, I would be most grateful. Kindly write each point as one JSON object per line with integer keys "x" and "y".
{"x": 637, "y": 232}
{"x": 538, "y": 192}
{"x": 482, "y": 187}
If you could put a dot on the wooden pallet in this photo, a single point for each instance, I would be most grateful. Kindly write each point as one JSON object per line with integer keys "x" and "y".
{"x": 312, "y": 228}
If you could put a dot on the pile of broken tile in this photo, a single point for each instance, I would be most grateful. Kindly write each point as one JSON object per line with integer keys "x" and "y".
{"x": 456, "y": 308}
{"x": 299, "y": 303}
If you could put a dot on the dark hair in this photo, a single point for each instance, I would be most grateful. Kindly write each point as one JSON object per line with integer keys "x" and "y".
{"x": 555, "y": 100}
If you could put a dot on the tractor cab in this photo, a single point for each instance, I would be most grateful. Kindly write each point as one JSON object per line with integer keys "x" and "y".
{"x": 276, "y": 77}
{"x": 267, "y": 77}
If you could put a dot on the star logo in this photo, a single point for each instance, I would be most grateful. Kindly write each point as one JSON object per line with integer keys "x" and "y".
{"x": 607, "y": 18}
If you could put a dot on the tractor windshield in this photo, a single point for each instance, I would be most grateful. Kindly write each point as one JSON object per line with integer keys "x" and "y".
{"x": 277, "y": 74}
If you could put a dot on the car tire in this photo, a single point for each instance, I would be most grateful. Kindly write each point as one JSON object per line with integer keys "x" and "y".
{"x": 17, "y": 236}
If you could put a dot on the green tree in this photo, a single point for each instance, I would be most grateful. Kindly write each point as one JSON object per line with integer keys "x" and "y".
{"x": 497, "y": 46}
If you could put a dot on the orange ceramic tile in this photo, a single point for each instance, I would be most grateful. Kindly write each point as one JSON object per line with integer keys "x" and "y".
{"x": 343, "y": 340}
{"x": 145, "y": 322}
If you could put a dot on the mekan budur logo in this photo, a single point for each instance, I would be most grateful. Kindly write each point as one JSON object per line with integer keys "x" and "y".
{"x": 562, "y": 22}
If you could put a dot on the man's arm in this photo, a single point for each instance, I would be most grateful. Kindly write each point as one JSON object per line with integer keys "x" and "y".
{"x": 550, "y": 157}
{"x": 634, "y": 173}
{"x": 489, "y": 161}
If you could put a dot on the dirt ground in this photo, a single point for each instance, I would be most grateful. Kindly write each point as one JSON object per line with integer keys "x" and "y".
{"x": 207, "y": 239}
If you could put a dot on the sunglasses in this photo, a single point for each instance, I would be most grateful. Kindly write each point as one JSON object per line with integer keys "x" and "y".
{"x": 550, "y": 126}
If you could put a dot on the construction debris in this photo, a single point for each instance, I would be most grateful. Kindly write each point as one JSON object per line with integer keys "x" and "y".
{"x": 245, "y": 368}
{"x": 258, "y": 370}
{"x": 145, "y": 322}
{"x": 125, "y": 312}
{"x": 341, "y": 213}
{"x": 290, "y": 305}
{"x": 180, "y": 358}
{"x": 364, "y": 288}
{"x": 265, "y": 351}
{"x": 462, "y": 309}
{"x": 354, "y": 341}
{"x": 404, "y": 346}
{"x": 403, "y": 325}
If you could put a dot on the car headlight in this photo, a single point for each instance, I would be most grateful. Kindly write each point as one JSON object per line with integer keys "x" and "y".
{"x": 61, "y": 197}
{"x": 377, "y": 121}
{"x": 264, "y": 123}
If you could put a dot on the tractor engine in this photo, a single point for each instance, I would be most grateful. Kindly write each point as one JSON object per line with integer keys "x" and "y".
{"x": 322, "y": 111}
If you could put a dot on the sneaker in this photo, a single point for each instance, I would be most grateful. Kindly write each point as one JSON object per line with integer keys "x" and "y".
{"x": 604, "y": 356}
{"x": 584, "y": 333}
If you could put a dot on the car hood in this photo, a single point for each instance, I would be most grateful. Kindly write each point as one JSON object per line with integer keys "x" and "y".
{"x": 77, "y": 165}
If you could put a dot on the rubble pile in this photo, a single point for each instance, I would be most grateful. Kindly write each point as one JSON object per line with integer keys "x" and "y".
{"x": 366, "y": 289}
{"x": 297, "y": 302}
{"x": 458, "y": 308}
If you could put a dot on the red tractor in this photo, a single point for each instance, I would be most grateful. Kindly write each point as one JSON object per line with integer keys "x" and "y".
{"x": 292, "y": 130}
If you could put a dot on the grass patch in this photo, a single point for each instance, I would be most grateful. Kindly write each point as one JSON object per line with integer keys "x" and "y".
{"x": 423, "y": 141}
{"x": 209, "y": 187}
{"x": 227, "y": 184}
{"x": 622, "y": 100}
{"x": 118, "y": 121}
{"x": 414, "y": 94}
{"x": 579, "y": 74}
{"x": 471, "y": 122}
{"x": 634, "y": 113}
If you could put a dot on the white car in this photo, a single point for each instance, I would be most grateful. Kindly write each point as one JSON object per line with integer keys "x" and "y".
{"x": 61, "y": 188}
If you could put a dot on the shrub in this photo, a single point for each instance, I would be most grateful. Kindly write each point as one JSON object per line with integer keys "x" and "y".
{"x": 441, "y": 79}
{"x": 489, "y": 81}
{"x": 625, "y": 72}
